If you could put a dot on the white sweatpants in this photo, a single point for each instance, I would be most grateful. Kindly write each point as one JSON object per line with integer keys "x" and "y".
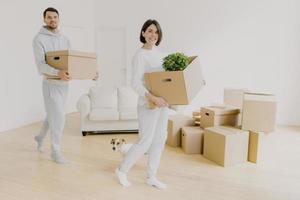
{"x": 152, "y": 138}
{"x": 55, "y": 95}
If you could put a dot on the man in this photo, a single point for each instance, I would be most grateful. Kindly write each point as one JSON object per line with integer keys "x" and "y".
{"x": 55, "y": 92}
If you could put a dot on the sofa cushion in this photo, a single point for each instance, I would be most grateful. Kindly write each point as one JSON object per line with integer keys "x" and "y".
{"x": 127, "y": 98}
{"x": 104, "y": 114}
{"x": 104, "y": 97}
{"x": 128, "y": 114}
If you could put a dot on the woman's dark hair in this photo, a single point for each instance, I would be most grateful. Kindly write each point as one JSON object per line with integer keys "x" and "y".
{"x": 146, "y": 25}
{"x": 50, "y": 9}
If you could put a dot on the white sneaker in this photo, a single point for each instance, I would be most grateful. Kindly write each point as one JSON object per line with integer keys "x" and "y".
{"x": 57, "y": 157}
{"x": 156, "y": 183}
{"x": 122, "y": 177}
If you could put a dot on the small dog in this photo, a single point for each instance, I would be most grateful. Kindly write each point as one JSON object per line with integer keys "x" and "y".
{"x": 120, "y": 145}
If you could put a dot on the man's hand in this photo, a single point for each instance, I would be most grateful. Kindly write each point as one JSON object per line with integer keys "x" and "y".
{"x": 63, "y": 75}
{"x": 158, "y": 101}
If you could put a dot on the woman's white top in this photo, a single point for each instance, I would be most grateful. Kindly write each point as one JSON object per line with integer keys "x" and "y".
{"x": 144, "y": 60}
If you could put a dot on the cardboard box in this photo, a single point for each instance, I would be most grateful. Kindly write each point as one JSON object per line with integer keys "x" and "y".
{"x": 257, "y": 146}
{"x": 80, "y": 65}
{"x": 259, "y": 112}
{"x": 192, "y": 139}
{"x": 219, "y": 115}
{"x": 175, "y": 123}
{"x": 235, "y": 97}
{"x": 226, "y": 146}
{"x": 177, "y": 87}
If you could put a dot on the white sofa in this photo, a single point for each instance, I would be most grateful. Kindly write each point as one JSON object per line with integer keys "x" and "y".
{"x": 108, "y": 109}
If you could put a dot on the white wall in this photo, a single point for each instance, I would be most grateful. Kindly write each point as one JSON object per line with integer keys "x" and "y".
{"x": 243, "y": 44}
{"x": 20, "y": 85}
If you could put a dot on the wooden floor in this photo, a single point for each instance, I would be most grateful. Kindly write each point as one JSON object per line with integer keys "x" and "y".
{"x": 26, "y": 174}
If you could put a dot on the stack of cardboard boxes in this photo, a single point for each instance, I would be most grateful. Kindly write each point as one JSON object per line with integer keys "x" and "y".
{"x": 225, "y": 131}
{"x": 223, "y": 142}
{"x": 234, "y": 132}
{"x": 258, "y": 116}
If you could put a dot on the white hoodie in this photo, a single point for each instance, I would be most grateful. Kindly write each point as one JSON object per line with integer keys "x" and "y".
{"x": 44, "y": 42}
{"x": 145, "y": 60}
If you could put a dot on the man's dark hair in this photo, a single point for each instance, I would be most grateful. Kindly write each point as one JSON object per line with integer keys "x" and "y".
{"x": 50, "y": 9}
{"x": 146, "y": 25}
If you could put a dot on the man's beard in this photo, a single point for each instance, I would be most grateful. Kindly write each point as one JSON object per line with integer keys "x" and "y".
{"x": 51, "y": 27}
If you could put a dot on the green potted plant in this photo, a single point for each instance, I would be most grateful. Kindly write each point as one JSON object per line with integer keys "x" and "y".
{"x": 175, "y": 62}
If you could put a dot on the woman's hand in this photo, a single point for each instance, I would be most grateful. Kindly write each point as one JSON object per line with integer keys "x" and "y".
{"x": 158, "y": 101}
{"x": 64, "y": 75}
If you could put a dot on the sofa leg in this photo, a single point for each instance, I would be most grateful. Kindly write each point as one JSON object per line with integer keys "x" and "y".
{"x": 84, "y": 133}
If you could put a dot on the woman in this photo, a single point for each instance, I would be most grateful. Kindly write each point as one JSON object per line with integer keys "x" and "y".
{"x": 152, "y": 122}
